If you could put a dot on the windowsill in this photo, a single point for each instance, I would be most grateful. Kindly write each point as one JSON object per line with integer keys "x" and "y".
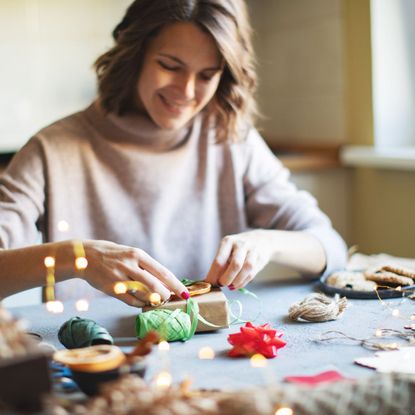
{"x": 303, "y": 157}
{"x": 382, "y": 158}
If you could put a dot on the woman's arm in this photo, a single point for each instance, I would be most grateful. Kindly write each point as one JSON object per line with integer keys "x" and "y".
{"x": 240, "y": 257}
{"x": 108, "y": 263}
{"x": 289, "y": 228}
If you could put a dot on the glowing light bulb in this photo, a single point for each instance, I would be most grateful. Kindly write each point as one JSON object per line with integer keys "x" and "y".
{"x": 54, "y": 307}
{"x": 378, "y": 333}
{"x": 206, "y": 353}
{"x": 120, "y": 288}
{"x": 164, "y": 379}
{"x": 63, "y": 226}
{"x": 258, "y": 360}
{"x": 82, "y": 305}
{"x": 284, "y": 411}
{"x": 395, "y": 312}
{"x": 81, "y": 263}
{"x": 164, "y": 346}
{"x": 155, "y": 299}
{"x": 49, "y": 262}
{"x": 413, "y": 317}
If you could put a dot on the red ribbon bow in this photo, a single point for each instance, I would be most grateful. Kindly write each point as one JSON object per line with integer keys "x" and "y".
{"x": 256, "y": 339}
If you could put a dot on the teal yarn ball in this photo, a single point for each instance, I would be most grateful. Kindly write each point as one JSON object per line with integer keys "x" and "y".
{"x": 172, "y": 325}
{"x": 81, "y": 332}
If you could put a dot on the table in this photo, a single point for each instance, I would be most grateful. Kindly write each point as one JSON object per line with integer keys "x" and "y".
{"x": 301, "y": 356}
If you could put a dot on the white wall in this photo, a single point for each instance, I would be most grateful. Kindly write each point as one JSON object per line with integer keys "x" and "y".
{"x": 300, "y": 50}
{"x": 47, "y": 49}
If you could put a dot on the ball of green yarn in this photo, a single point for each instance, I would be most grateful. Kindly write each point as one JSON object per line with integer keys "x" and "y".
{"x": 82, "y": 332}
{"x": 172, "y": 325}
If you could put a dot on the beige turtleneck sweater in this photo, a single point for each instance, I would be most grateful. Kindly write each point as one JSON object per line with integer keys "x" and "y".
{"x": 174, "y": 194}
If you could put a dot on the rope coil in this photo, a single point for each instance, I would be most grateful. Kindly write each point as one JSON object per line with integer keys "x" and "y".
{"x": 318, "y": 308}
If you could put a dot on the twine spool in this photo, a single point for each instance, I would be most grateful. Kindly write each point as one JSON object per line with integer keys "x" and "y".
{"x": 81, "y": 332}
{"x": 318, "y": 308}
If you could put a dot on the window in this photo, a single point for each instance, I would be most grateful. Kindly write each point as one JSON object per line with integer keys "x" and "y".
{"x": 393, "y": 66}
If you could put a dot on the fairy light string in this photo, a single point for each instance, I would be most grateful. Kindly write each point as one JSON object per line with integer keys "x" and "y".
{"x": 406, "y": 293}
{"x": 81, "y": 263}
{"x": 49, "y": 262}
{"x": 371, "y": 343}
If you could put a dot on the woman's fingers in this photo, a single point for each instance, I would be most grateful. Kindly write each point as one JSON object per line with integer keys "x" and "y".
{"x": 235, "y": 264}
{"x": 153, "y": 268}
{"x": 220, "y": 262}
{"x": 247, "y": 272}
{"x": 153, "y": 284}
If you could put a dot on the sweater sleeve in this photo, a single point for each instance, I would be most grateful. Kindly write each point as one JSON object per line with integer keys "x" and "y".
{"x": 274, "y": 202}
{"x": 22, "y": 197}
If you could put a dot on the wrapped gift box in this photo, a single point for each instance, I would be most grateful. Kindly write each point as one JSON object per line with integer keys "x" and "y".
{"x": 213, "y": 307}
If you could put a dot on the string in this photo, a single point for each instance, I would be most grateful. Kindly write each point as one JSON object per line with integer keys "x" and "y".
{"x": 318, "y": 307}
{"x": 370, "y": 343}
{"x": 395, "y": 311}
{"x": 237, "y": 317}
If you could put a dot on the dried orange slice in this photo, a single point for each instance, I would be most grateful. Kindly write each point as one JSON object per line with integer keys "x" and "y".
{"x": 200, "y": 287}
{"x": 197, "y": 288}
{"x": 91, "y": 359}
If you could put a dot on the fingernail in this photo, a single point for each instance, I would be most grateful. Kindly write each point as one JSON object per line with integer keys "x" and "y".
{"x": 231, "y": 287}
{"x": 185, "y": 295}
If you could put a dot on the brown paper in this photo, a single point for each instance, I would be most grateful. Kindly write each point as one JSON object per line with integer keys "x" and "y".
{"x": 213, "y": 307}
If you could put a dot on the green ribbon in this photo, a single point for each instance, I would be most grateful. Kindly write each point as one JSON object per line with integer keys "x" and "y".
{"x": 81, "y": 332}
{"x": 237, "y": 317}
{"x": 173, "y": 325}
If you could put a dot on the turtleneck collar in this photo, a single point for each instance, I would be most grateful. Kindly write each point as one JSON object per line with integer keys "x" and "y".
{"x": 135, "y": 128}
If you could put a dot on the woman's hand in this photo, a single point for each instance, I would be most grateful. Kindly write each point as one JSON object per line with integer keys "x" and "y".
{"x": 109, "y": 263}
{"x": 239, "y": 259}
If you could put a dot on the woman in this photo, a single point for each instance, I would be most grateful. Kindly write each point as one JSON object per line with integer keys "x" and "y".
{"x": 164, "y": 176}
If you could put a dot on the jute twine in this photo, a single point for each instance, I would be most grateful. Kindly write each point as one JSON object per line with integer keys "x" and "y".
{"x": 318, "y": 308}
{"x": 378, "y": 395}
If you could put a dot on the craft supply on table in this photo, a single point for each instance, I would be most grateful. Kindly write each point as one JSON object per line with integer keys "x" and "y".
{"x": 213, "y": 309}
{"x": 395, "y": 361}
{"x": 80, "y": 332}
{"x": 251, "y": 340}
{"x": 373, "y": 342}
{"x": 172, "y": 325}
{"x": 327, "y": 376}
{"x": 92, "y": 366}
{"x": 318, "y": 308}
{"x": 194, "y": 288}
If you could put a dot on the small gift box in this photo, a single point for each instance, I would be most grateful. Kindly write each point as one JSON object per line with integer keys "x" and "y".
{"x": 213, "y": 308}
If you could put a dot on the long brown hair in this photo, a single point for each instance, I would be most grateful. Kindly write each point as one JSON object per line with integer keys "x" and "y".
{"x": 225, "y": 20}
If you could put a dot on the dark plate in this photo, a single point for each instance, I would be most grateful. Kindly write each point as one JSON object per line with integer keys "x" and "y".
{"x": 368, "y": 295}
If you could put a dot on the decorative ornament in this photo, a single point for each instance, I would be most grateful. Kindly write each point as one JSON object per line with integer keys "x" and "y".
{"x": 252, "y": 339}
{"x": 82, "y": 332}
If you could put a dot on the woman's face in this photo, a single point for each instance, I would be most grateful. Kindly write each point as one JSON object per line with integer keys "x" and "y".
{"x": 180, "y": 74}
